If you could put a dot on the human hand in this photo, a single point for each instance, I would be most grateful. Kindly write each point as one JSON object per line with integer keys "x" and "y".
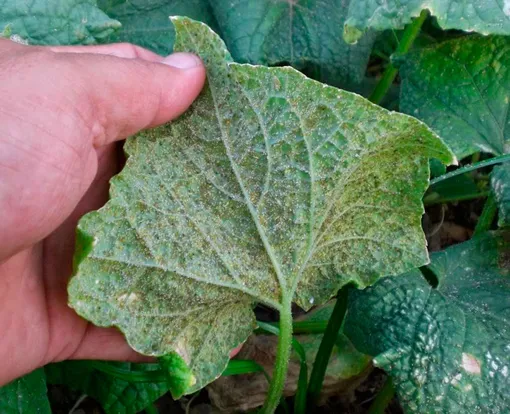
{"x": 62, "y": 111}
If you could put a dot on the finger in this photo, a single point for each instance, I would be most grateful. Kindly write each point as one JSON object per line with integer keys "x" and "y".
{"x": 7, "y": 45}
{"x": 84, "y": 101}
{"x": 127, "y": 95}
{"x": 106, "y": 344}
{"x": 122, "y": 50}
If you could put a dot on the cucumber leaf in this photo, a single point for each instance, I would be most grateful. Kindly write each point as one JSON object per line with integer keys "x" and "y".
{"x": 271, "y": 187}
{"x": 482, "y": 16}
{"x": 26, "y": 395}
{"x": 461, "y": 89}
{"x": 56, "y": 22}
{"x": 146, "y": 22}
{"x": 116, "y": 396}
{"x": 306, "y": 34}
{"x": 446, "y": 348}
{"x": 500, "y": 183}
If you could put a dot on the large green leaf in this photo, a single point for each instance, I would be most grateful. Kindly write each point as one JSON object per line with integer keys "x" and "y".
{"x": 446, "y": 348}
{"x": 146, "y": 22}
{"x": 116, "y": 396}
{"x": 26, "y": 395}
{"x": 461, "y": 89}
{"x": 271, "y": 187}
{"x": 500, "y": 183}
{"x": 55, "y": 22}
{"x": 482, "y": 16}
{"x": 306, "y": 34}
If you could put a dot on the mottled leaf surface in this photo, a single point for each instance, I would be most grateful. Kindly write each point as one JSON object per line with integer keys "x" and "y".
{"x": 147, "y": 24}
{"x": 500, "y": 183}
{"x": 306, "y": 34}
{"x": 26, "y": 395}
{"x": 115, "y": 395}
{"x": 461, "y": 89}
{"x": 271, "y": 187}
{"x": 448, "y": 348}
{"x": 55, "y": 22}
{"x": 482, "y": 16}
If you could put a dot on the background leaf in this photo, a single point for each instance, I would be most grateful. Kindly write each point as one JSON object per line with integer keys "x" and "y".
{"x": 115, "y": 396}
{"x": 55, "y": 22}
{"x": 500, "y": 183}
{"x": 147, "y": 24}
{"x": 306, "y": 34}
{"x": 460, "y": 88}
{"x": 482, "y": 16}
{"x": 446, "y": 348}
{"x": 26, "y": 395}
{"x": 270, "y": 184}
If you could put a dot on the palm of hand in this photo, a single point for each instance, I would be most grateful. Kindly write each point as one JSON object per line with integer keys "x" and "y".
{"x": 57, "y": 153}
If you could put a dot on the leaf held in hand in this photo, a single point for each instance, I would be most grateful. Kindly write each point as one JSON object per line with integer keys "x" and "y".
{"x": 271, "y": 187}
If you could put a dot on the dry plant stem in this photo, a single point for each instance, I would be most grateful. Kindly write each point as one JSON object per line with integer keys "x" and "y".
{"x": 282, "y": 357}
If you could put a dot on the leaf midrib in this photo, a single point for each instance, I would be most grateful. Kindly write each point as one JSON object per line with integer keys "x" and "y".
{"x": 251, "y": 208}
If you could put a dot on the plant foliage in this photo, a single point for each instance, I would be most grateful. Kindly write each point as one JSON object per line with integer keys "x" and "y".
{"x": 447, "y": 347}
{"x": 272, "y": 188}
{"x": 276, "y": 189}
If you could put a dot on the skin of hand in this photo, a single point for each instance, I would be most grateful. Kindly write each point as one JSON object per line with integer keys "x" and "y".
{"x": 63, "y": 111}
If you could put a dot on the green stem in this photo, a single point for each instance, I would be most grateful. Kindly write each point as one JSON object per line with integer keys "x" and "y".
{"x": 282, "y": 358}
{"x": 383, "y": 398}
{"x": 326, "y": 347}
{"x": 410, "y": 34}
{"x": 471, "y": 167}
{"x": 487, "y": 217}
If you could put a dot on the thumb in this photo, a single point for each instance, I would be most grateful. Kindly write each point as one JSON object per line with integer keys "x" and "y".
{"x": 127, "y": 95}
{"x": 68, "y": 104}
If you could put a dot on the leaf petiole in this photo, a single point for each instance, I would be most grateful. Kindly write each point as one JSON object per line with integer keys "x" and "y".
{"x": 282, "y": 358}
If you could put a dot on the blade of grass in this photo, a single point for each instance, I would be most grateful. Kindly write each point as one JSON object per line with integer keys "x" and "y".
{"x": 234, "y": 367}
{"x": 326, "y": 347}
{"x": 471, "y": 167}
{"x": 242, "y": 366}
{"x": 409, "y": 36}
{"x": 383, "y": 398}
{"x": 130, "y": 375}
